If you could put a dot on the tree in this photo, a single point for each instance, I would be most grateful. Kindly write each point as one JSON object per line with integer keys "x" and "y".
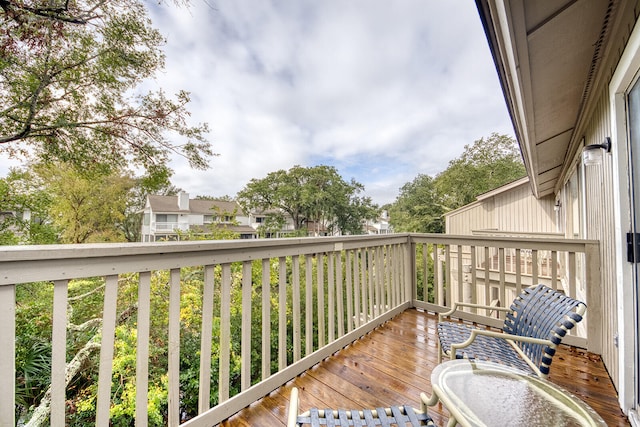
{"x": 69, "y": 78}
{"x": 222, "y": 227}
{"x": 349, "y": 217}
{"x": 417, "y": 208}
{"x": 315, "y": 194}
{"x": 483, "y": 166}
{"x": 25, "y": 206}
{"x": 86, "y": 206}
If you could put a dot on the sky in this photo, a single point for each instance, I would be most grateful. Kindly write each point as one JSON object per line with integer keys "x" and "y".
{"x": 381, "y": 90}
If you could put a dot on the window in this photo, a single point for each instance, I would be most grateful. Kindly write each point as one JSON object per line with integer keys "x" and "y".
{"x": 166, "y": 218}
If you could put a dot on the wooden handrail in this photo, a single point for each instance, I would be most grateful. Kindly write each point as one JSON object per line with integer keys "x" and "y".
{"x": 361, "y": 280}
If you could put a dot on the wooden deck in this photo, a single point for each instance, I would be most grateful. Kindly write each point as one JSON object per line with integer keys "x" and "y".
{"x": 393, "y": 364}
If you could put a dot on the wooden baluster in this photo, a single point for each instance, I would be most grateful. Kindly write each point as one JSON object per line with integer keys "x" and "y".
{"x": 105, "y": 370}
{"x": 174, "y": 348}
{"x": 245, "y": 349}
{"x": 339, "y": 293}
{"x": 266, "y": 318}
{"x": 282, "y": 314}
{"x": 225, "y": 335}
{"x": 142, "y": 353}
{"x": 308, "y": 308}
{"x": 296, "y": 308}
{"x": 320, "y": 292}
{"x": 349, "y": 288}
{"x": 331, "y": 302}
{"x": 59, "y": 352}
{"x": 204, "y": 396}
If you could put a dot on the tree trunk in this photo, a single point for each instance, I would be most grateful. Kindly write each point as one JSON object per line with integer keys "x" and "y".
{"x": 41, "y": 414}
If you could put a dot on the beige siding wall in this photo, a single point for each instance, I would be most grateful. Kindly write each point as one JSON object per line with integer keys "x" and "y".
{"x": 518, "y": 210}
{"x": 476, "y": 216}
{"x": 597, "y": 222}
{"x": 514, "y": 210}
{"x": 597, "y": 188}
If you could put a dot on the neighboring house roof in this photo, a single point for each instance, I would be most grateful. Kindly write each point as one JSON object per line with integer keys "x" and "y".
{"x": 489, "y": 194}
{"x": 503, "y": 188}
{"x": 169, "y": 204}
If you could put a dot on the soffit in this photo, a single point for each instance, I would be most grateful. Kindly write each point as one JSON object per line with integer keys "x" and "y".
{"x": 547, "y": 53}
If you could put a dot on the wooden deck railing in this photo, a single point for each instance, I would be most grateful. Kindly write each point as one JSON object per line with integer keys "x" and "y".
{"x": 300, "y": 299}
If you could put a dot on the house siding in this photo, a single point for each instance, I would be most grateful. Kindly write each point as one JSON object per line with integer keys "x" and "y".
{"x": 597, "y": 222}
{"x": 509, "y": 210}
{"x": 476, "y": 216}
{"x": 598, "y": 202}
{"x": 516, "y": 211}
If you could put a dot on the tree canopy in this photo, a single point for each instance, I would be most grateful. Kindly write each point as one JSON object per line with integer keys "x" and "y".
{"x": 418, "y": 207}
{"x": 312, "y": 195}
{"x": 56, "y": 203}
{"x": 25, "y": 217}
{"x": 70, "y": 76}
{"x": 483, "y": 166}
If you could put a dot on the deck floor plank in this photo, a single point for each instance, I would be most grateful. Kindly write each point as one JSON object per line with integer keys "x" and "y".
{"x": 393, "y": 364}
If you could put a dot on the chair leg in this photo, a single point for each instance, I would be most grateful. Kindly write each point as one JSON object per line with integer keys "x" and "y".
{"x": 292, "y": 417}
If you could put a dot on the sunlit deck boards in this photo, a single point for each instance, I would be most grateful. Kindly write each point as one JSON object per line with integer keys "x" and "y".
{"x": 393, "y": 364}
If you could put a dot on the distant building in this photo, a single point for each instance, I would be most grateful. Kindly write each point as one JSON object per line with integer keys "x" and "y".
{"x": 378, "y": 226}
{"x": 261, "y": 222}
{"x": 165, "y": 217}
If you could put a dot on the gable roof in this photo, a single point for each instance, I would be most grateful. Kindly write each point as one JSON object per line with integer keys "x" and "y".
{"x": 169, "y": 204}
{"x": 489, "y": 194}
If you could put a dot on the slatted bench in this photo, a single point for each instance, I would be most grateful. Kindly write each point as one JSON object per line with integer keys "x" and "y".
{"x": 534, "y": 326}
{"x": 392, "y": 416}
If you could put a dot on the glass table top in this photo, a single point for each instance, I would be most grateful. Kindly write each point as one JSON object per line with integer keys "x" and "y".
{"x": 489, "y": 394}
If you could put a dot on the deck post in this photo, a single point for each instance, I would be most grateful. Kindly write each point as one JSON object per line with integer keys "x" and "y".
{"x": 410, "y": 272}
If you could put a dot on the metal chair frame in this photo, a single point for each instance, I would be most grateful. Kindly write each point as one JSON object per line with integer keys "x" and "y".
{"x": 535, "y": 324}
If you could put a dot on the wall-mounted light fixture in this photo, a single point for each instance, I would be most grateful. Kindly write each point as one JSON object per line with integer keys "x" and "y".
{"x": 592, "y": 154}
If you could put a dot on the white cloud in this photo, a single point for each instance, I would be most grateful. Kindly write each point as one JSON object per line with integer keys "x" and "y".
{"x": 383, "y": 90}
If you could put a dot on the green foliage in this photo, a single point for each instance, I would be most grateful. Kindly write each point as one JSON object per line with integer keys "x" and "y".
{"x": 67, "y": 79}
{"x": 25, "y": 215}
{"x": 273, "y": 223}
{"x": 86, "y": 205}
{"x": 485, "y": 165}
{"x": 314, "y": 195}
{"x": 89, "y": 205}
{"x": 417, "y": 208}
{"x": 33, "y": 343}
{"x": 85, "y": 308}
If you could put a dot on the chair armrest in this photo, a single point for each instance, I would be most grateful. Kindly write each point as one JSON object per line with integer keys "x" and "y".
{"x": 507, "y": 337}
{"x": 455, "y": 306}
{"x": 292, "y": 415}
{"x": 494, "y": 334}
